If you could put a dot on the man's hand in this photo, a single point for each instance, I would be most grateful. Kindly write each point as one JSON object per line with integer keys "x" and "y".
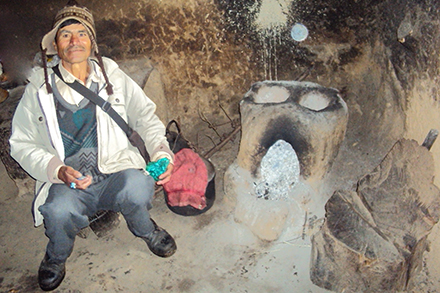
{"x": 69, "y": 175}
{"x": 165, "y": 176}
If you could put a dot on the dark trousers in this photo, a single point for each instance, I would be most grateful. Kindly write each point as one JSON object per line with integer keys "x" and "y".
{"x": 66, "y": 211}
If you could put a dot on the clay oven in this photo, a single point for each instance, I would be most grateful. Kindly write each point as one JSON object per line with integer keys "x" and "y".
{"x": 291, "y": 134}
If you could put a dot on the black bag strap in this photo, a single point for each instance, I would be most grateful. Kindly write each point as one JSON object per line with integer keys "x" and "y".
{"x": 132, "y": 135}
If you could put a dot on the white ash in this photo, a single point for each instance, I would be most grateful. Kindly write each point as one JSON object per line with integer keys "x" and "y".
{"x": 314, "y": 101}
{"x": 271, "y": 94}
{"x": 279, "y": 172}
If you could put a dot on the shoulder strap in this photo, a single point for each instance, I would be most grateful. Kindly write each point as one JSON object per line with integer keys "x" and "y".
{"x": 97, "y": 100}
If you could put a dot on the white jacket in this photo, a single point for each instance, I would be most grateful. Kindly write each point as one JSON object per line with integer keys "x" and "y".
{"x": 36, "y": 142}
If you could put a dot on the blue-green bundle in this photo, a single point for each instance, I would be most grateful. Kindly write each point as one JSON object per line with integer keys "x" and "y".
{"x": 157, "y": 168}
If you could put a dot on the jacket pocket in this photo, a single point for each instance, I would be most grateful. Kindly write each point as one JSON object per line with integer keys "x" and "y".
{"x": 118, "y": 104}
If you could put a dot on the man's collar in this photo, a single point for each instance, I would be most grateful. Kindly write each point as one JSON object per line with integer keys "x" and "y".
{"x": 70, "y": 78}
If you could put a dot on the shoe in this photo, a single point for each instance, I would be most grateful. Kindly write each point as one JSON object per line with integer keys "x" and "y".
{"x": 160, "y": 242}
{"x": 50, "y": 274}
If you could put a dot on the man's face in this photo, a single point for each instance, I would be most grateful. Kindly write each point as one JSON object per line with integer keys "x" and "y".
{"x": 73, "y": 44}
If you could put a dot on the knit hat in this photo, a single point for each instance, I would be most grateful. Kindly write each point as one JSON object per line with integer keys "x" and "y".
{"x": 71, "y": 11}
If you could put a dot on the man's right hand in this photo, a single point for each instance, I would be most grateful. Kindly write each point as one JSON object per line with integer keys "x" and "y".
{"x": 69, "y": 175}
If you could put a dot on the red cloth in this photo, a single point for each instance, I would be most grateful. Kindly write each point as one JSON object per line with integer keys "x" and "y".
{"x": 188, "y": 181}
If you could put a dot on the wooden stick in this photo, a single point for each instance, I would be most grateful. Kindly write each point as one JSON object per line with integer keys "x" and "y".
{"x": 222, "y": 143}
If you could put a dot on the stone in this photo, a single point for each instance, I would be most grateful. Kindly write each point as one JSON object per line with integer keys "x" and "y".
{"x": 22, "y": 180}
{"x": 373, "y": 239}
{"x": 154, "y": 89}
{"x": 148, "y": 77}
{"x": 266, "y": 219}
{"x": 279, "y": 172}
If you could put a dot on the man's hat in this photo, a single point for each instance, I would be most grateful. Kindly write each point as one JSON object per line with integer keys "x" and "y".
{"x": 71, "y": 11}
{"x": 75, "y": 12}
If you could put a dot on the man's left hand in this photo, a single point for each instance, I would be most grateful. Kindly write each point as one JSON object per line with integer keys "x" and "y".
{"x": 165, "y": 176}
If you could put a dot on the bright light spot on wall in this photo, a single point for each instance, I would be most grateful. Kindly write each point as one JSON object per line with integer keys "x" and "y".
{"x": 299, "y": 32}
